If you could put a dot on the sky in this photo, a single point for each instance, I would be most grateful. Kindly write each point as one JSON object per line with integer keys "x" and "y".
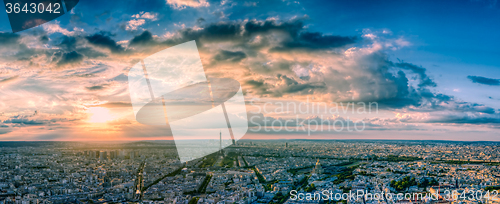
{"x": 431, "y": 67}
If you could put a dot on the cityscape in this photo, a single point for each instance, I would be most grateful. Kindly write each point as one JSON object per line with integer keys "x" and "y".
{"x": 249, "y": 171}
{"x": 249, "y": 102}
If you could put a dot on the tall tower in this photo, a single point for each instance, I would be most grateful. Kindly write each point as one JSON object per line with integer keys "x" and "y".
{"x": 318, "y": 169}
{"x": 220, "y": 142}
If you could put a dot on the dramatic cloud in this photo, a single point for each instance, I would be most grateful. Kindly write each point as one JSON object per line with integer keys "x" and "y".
{"x": 230, "y": 56}
{"x": 424, "y": 79}
{"x": 97, "y": 87}
{"x": 54, "y": 27}
{"x": 134, "y": 24}
{"x": 182, "y": 4}
{"x": 64, "y": 72}
{"x": 143, "y": 39}
{"x": 8, "y": 38}
{"x": 283, "y": 60}
{"x": 146, "y": 15}
{"x": 140, "y": 19}
{"x": 9, "y": 79}
{"x": 26, "y": 120}
{"x": 308, "y": 40}
{"x": 467, "y": 119}
{"x": 484, "y": 80}
{"x": 104, "y": 41}
{"x": 70, "y": 57}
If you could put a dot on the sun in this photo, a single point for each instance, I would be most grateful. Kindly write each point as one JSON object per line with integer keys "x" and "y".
{"x": 99, "y": 115}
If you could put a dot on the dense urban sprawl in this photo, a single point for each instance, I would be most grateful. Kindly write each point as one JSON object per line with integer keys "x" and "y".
{"x": 249, "y": 171}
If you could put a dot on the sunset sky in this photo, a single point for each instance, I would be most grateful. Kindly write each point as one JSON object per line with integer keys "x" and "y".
{"x": 432, "y": 67}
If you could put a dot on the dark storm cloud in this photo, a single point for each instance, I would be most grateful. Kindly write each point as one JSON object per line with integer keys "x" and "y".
{"x": 6, "y": 80}
{"x": 214, "y": 32}
{"x": 424, "y": 79}
{"x": 258, "y": 87}
{"x": 33, "y": 120}
{"x": 387, "y": 83}
{"x": 393, "y": 90}
{"x": 77, "y": 43}
{"x": 293, "y": 27}
{"x": 24, "y": 121}
{"x": 474, "y": 107}
{"x": 390, "y": 90}
{"x": 26, "y": 54}
{"x": 145, "y": 38}
{"x": 308, "y": 40}
{"x": 44, "y": 39}
{"x": 467, "y": 119}
{"x": 254, "y": 83}
{"x": 404, "y": 95}
{"x": 104, "y": 41}
{"x": 383, "y": 86}
{"x": 17, "y": 50}
{"x": 292, "y": 86}
{"x": 97, "y": 87}
{"x": 225, "y": 55}
{"x": 8, "y": 39}
{"x": 121, "y": 78}
{"x": 484, "y": 80}
{"x": 295, "y": 35}
{"x": 64, "y": 49}
{"x": 68, "y": 42}
{"x": 70, "y": 58}
{"x": 299, "y": 37}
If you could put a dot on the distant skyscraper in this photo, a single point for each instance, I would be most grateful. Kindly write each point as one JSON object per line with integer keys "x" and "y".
{"x": 112, "y": 154}
{"x": 97, "y": 154}
{"x": 220, "y": 142}
{"x": 286, "y": 144}
{"x": 103, "y": 155}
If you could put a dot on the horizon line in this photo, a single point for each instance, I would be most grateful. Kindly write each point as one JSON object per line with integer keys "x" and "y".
{"x": 251, "y": 139}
